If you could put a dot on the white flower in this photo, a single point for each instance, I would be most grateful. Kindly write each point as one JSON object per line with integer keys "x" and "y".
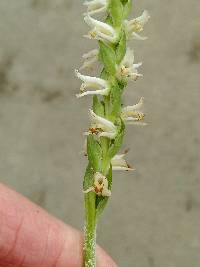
{"x": 101, "y": 86}
{"x": 100, "y": 30}
{"x": 133, "y": 114}
{"x": 136, "y": 25}
{"x": 90, "y": 59}
{"x": 101, "y": 126}
{"x": 127, "y": 69}
{"x": 100, "y": 186}
{"x": 96, "y": 6}
{"x": 120, "y": 164}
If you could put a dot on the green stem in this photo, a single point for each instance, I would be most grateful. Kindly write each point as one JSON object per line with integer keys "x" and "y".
{"x": 90, "y": 230}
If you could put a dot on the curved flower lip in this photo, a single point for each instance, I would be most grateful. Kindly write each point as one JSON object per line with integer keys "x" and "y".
{"x": 137, "y": 36}
{"x": 96, "y": 92}
{"x": 135, "y": 107}
{"x": 100, "y": 186}
{"x": 127, "y": 69}
{"x": 120, "y": 164}
{"x": 91, "y": 80}
{"x": 101, "y": 126}
{"x": 135, "y": 26}
{"x": 96, "y": 6}
{"x": 100, "y": 30}
{"x": 101, "y": 86}
{"x": 133, "y": 114}
{"x": 132, "y": 122}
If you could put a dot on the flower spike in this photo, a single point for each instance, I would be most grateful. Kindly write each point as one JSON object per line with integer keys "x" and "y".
{"x": 101, "y": 126}
{"x": 96, "y": 6}
{"x": 100, "y": 30}
{"x": 136, "y": 26}
{"x": 127, "y": 69}
{"x": 108, "y": 117}
{"x": 101, "y": 86}
{"x": 100, "y": 186}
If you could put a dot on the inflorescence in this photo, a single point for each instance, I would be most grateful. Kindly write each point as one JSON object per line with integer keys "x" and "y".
{"x": 107, "y": 116}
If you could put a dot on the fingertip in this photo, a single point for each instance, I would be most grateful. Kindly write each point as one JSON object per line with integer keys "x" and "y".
{"x": 44, "y": 238}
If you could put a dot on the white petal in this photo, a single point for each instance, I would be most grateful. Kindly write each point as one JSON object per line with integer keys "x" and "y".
{"x": 136, "y": 36}
{"x": 96, "y": 6}
{"x": 118, "y": 157}
{"x": 135, "y": 107}
{"x": 119, "y": 163}
{"x": 134, "y": 75}
{"x": 102, "y": 36}
{"x": 106, "y": 192}
{"x": 139, "y": 104}
{"x": 91, "y": 80}
{"x": 140, "y": 21}
{"x": 139, "y": 123}
{"x": 96, "y": 92}
{"x": 119, "y": 160}
{"x": 143, "y": 19}
{"x": 137, "y": 65}
{"x": 104, "y": 27}
{"x": 107, "y": 134}
{"x": 96, "y": 11}
{"x": 127, "y": 69}
{"x": 91, "y": 53}
{"x": 90, "y": 189}
{"x": 128, "y": 58}
{"x": 106, "y": 124}
{"x": 100, "y": 30}
{"x": 131, "y": 119}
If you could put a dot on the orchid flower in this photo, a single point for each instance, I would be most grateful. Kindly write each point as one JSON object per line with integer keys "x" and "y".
{"x": 133, "y": 114}
{"x": 101, "y": 126}
{"x": 96, "y": 6}
{"x": 127, "y": 69}
{"x": 100, "y": 186}
{"x": 136, "y": 26}
{"x": 100, "y": 30}
{"x": 120, "y": 164}
{"x": 101, "y": 86}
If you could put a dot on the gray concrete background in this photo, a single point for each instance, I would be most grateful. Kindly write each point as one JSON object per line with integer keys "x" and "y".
{"x": 153, "y": 218}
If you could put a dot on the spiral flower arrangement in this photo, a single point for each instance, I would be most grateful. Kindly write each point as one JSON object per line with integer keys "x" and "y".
{"x": 107, "y": 115}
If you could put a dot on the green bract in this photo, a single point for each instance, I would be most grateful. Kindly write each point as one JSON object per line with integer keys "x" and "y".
{"x": 117, "y": 143}
{"x": 116, "y": 12}
{"x": 121, "y": 47}
{"x": 115, "y": 100}
{"x": 88, "y": 178}
{"x": 108, "y": 58}
{"x": 98, "y": 106}
{"x": 127, "y": 8}
{"x": 94, "y": 153}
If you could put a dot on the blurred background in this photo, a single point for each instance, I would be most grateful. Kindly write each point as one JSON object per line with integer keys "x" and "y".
{"x": 152, "y": 219}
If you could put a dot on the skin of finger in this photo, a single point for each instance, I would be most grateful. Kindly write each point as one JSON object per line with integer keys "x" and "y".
{"x": 30, "y": 237}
